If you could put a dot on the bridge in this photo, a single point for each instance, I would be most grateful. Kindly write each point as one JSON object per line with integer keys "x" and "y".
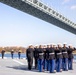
{"x": 42, "y": 11}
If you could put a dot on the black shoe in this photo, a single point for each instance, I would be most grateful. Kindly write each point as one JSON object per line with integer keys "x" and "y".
{"x": 70, "y": 69}
{"x": 52, "y": 72}
{"x": 65, "y": 70}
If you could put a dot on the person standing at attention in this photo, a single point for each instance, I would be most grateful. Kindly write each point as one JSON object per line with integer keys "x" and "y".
{"x": 12, "y": 53}
{"x": 2, "y": 52}
{"x": 19, "y": 54}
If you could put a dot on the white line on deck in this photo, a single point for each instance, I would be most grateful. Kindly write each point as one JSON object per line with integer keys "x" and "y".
{"x": 19, "y": 62}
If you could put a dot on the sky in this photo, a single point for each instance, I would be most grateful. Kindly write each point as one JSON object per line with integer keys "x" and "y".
{"x": 21, "y": 29}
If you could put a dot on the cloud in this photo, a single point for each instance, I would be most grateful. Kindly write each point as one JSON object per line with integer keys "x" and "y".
{"x": 73, "y": 7}
{"x": 65, "y": 1}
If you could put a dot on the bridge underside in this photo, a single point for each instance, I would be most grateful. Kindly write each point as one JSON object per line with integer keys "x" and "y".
{"x": 18, "y": 4}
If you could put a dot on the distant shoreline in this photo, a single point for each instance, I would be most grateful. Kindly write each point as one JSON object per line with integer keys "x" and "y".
{"x": 14, "y": 52}
{"x": 25, "y": 53}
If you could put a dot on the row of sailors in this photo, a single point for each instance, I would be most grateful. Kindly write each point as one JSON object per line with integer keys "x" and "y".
{"x": 51, "y": 58}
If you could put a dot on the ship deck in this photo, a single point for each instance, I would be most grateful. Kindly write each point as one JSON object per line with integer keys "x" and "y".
{"x": 10, "y": 66}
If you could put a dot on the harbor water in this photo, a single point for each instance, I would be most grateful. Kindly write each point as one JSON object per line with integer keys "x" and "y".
{"x": 23, "y": 55}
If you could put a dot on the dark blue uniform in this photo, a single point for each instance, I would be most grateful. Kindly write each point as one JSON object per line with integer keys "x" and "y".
{"x": 47, "y": 59}
{"x": 51, "y": 60}
{"x": 44, "y": 61}
{"x": 12, "y": 53}
{"x": 70, "y": 58}
{"x": 58, "y": 55}
{"x": 3, "y": 51}
{"x": 40, "y": 59}
{"x": 65, "y": 59}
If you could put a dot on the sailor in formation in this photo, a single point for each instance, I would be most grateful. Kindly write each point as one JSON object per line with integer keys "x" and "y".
{"x": 51, "y": 58}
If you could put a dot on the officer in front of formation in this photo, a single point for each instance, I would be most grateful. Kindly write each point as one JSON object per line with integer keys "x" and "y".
{"x": 36, "y": 56}
{"x": 65, "y": 58}
{"x": 58, "y": 55}
{"x": 29, "y": 55}
{"x": 52, "y": 59}
{"x": 70, "y": 57}
{"x": 40, "y": 58}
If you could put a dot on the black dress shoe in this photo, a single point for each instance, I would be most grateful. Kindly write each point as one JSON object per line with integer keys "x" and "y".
{"x": 70, "y": 69}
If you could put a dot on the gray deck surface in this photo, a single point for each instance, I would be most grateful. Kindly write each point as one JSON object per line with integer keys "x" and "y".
{"x": 19, "y": 67}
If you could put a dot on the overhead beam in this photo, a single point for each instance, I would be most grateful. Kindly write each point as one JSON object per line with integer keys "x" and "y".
{"x": 34, "y": 10}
